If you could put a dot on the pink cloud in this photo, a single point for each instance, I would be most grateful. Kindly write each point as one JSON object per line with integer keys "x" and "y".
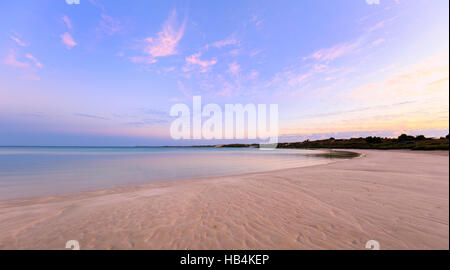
{"x": 183, "y": 89}
{"x": 381, "y": 24}
{"x": 142, "y": 60}
{"x": 204, "y": 64}
{"x": 67, "y": 21}
{"x": 339, "y": 50}
{"x": 256, "y": 20}
{"x": 18, "y": 41}
{"x": 94, "y": 3}
{"x": 223, "y": 43}
{"x": 165, "y": 43}
{"x": 109, "y": 25}
{"x": 378, "y": 41}
{"x": 36, "y": 62}
{"x": 253, "y": 75}
{"x": 67, "y": 40}
{"x": 27, "y": 72}
{"x": 175, "y": 99}
{"x": 234, "y": 68}
{"x": 12, "y": 61}
{"x": 255, "y": 53}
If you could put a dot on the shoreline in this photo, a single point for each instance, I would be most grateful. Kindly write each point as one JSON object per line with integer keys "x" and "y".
{"x": 339, "y": 205}
{"x": 328, "y": 155}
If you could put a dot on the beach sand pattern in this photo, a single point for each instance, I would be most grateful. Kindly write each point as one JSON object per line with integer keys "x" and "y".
{"x": 398, "y": 198}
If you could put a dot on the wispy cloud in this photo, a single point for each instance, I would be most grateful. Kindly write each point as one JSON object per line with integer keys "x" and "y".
{"x": 421, "y": 80}
{"x": 109, "y": 25}
{"x": 183, "y": 89}
{"x": 321, "y": 70}
{"x": 256, "y": 20}
{"x": 356, "y": 110}
{"x": 381, "y": 24}
{"x": 416, "y": 97}
{"x": 255, "y": 53}
{"x": 91, "y": 116}
{"x": 349, "y": 47}
{"x": 223, "y": 43}
{"x": 67, "y": 21}
{"x": 146, "y": 122}
{"x": 336, "y": 51}
{"x": 96, "y": 4}
{"x": 164, "y": 43}
{"x": 28, "y": 72}
{"x": 148, "y": 117}
{"x": 36, "y": 115}
{"x": 323, "y": 66}
{"x": 12, "y": 61}
{"x": 32, "y": 58}
{"x": 378, "y": 41}
{"x": 253, "y": 75}
{"x": 67, "y": 40}
{"x": 18, "y": 41}
{"x": 234, "y": 68}
{"x": 194, "y": 60}
{"x": 142, "y": 60}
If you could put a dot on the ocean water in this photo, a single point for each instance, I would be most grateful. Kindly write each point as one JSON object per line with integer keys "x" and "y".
{"x": 38, "y": 171}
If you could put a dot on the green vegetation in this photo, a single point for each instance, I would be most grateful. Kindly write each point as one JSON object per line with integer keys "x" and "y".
{"x": 403, "y": 141}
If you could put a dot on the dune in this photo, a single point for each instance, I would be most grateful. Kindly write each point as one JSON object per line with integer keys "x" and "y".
{"x": 398, "y": 198}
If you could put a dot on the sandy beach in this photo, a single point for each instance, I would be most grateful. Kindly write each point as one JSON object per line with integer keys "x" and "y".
{"x": 398, "y": 198}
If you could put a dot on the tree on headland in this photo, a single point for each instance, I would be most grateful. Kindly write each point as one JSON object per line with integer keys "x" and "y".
{"x": 404, "y": 138}
{"x": 421, "y": 137}
{"x": 371, "y": 139}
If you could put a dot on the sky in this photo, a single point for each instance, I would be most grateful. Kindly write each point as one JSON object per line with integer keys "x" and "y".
{"x": 107, "y": 72}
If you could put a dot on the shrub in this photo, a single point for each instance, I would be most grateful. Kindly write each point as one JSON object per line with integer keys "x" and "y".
{"x": 371, "y": 139}
{"x": 404, "y": 137}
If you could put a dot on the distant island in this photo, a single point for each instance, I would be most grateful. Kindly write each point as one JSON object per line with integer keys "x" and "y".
{"x": 403, "y": 141}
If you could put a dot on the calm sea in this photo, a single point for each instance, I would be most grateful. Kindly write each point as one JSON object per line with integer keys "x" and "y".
{"x": 37, "y": 171}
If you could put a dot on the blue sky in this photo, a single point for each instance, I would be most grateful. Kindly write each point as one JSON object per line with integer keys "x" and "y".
{"x": 107, "y": 72}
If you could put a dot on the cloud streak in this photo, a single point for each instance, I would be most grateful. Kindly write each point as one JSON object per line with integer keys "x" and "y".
{"x": 32, "y": 58}
{"x": 91, "y": 116}
{"x": 27, "y": 70}
{"x": 109, "y": 25}
{"x": 67, "y": 21}
{"x": 234, "y": 68}
{"x": 18, "y": 41}
{"x": 194, "y": 60}
{"x": 68, "y": 40}
{"x": 12, "y": 61}
{"x": 421, "y": 80}
{"x": 336, "y": 51}
{"x": 223, "y": 43}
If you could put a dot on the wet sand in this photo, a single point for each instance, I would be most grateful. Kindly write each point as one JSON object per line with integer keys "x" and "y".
{"x": 398, "y": 198}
